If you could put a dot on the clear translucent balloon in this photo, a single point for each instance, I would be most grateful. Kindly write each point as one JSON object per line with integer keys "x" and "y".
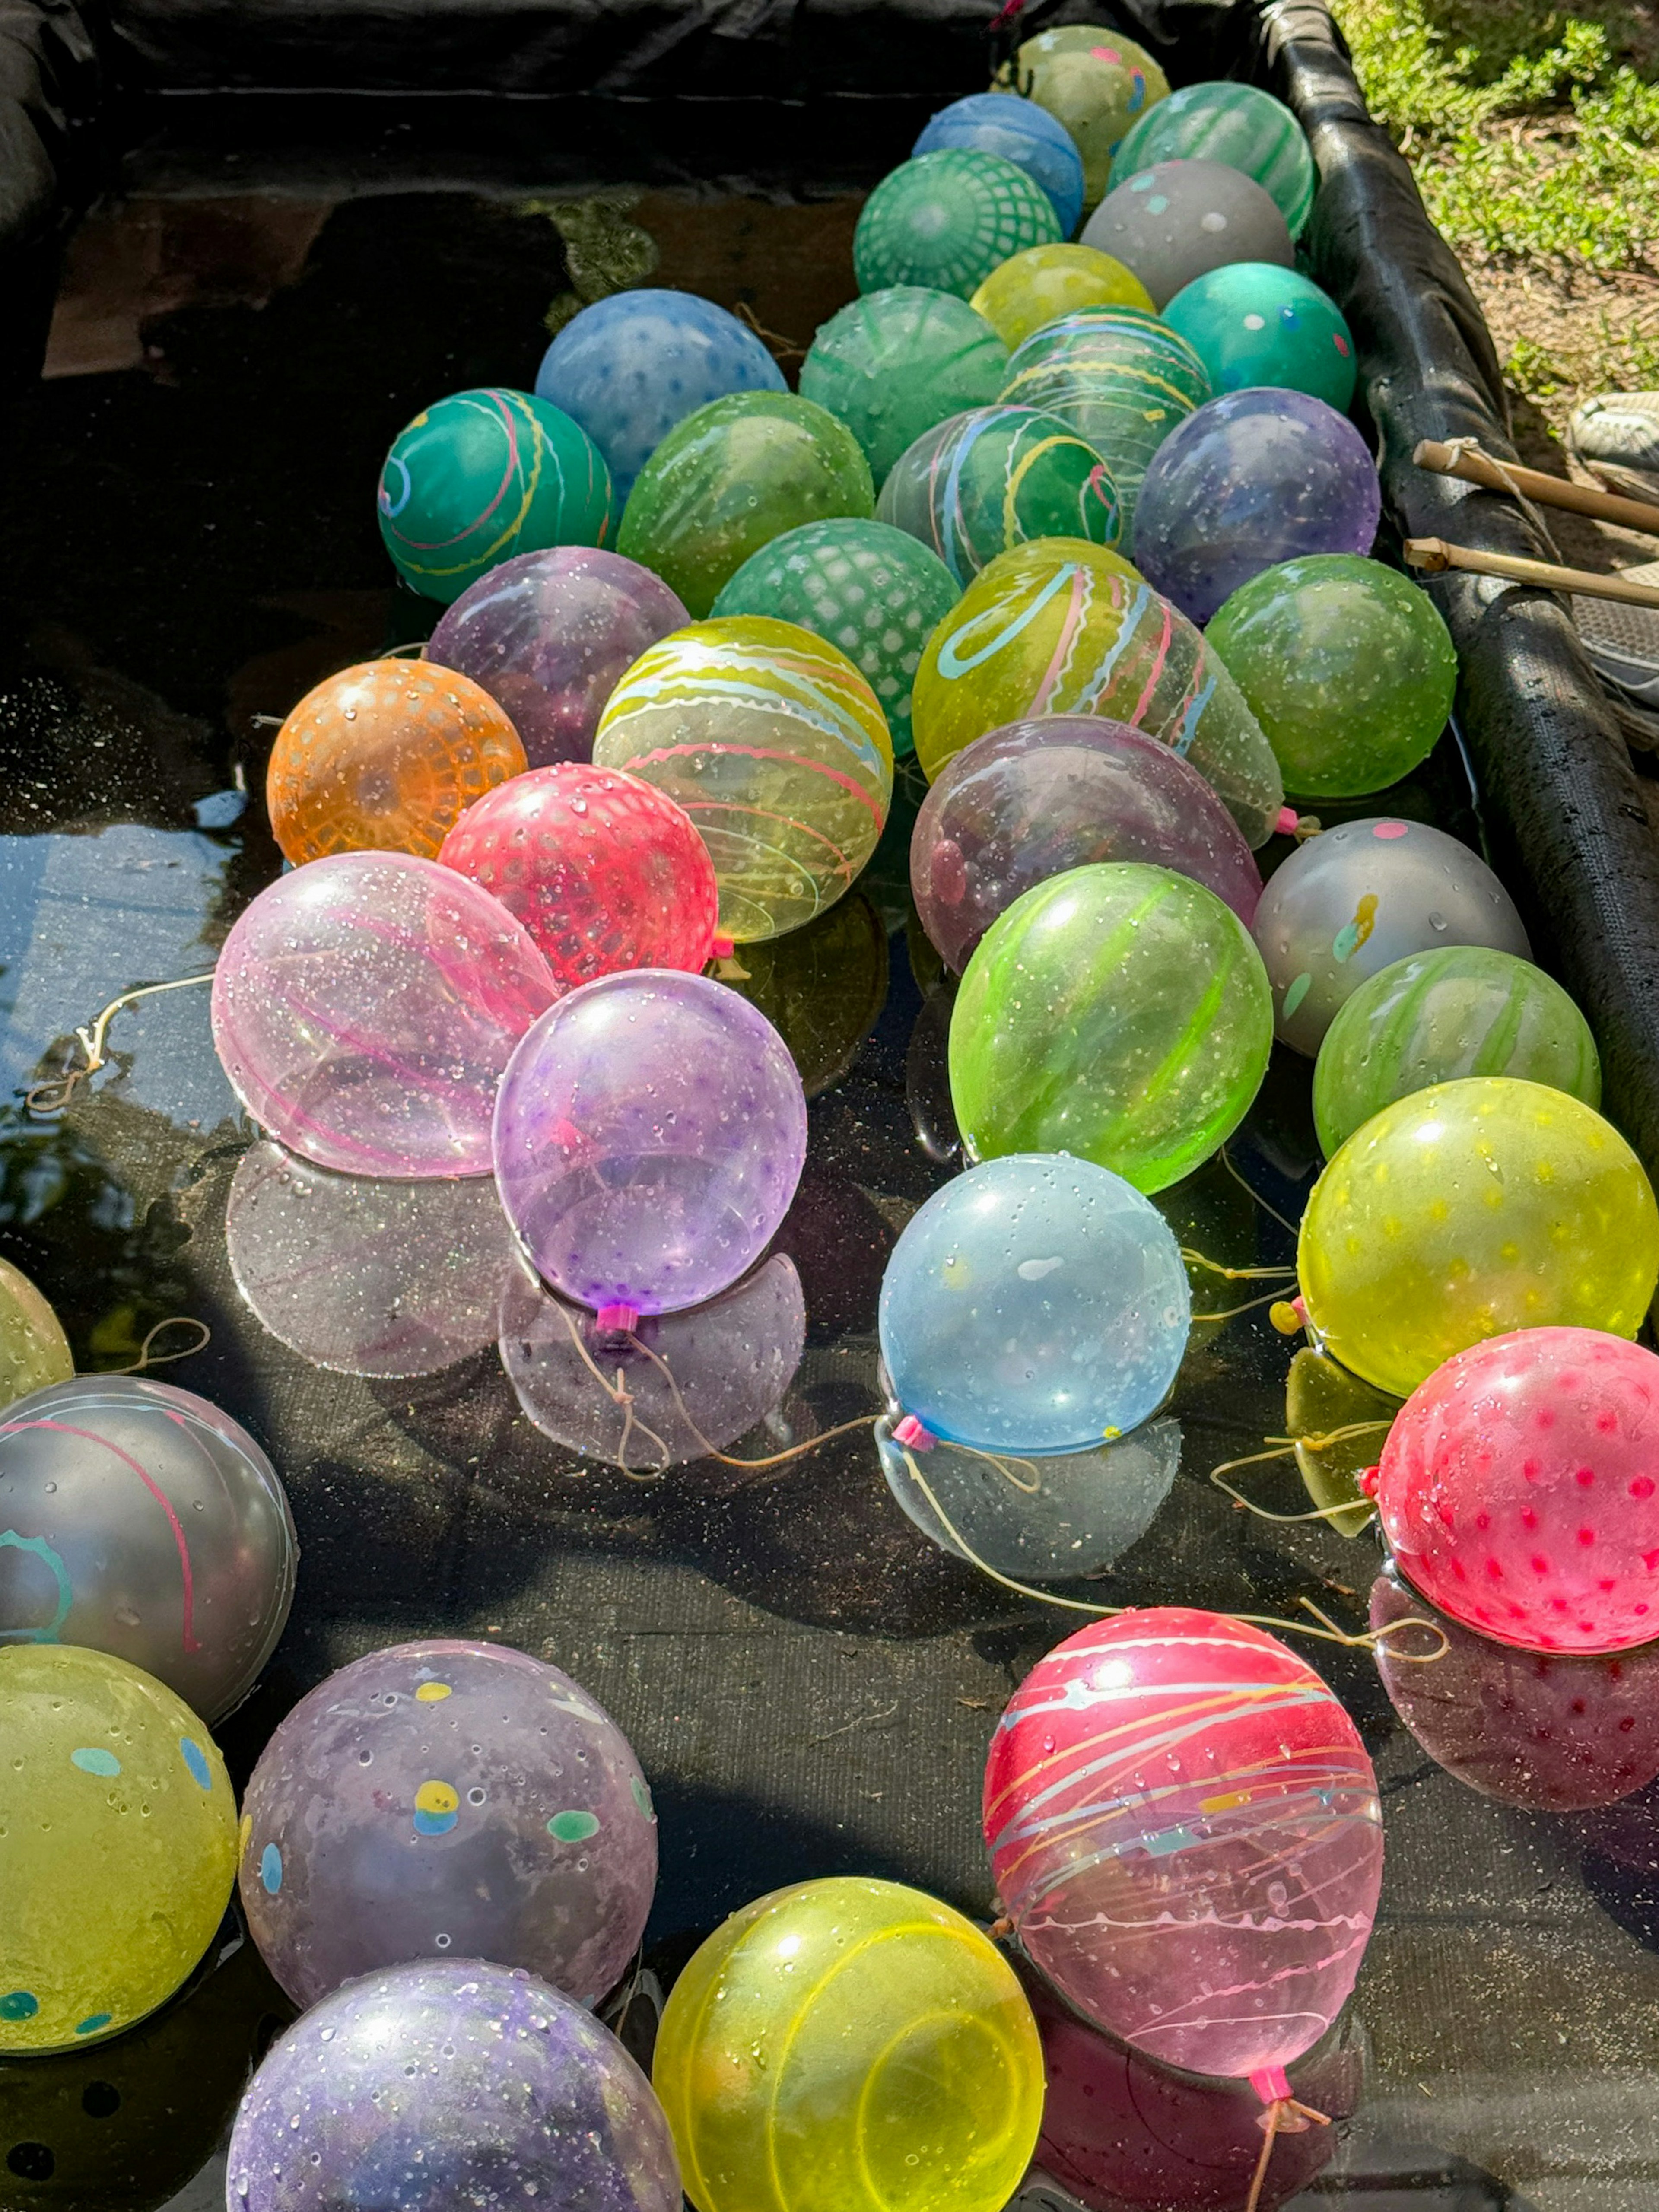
{"x": 1023, "y": 133}
{"x": 1468, "y": 1210}
{"x": 1251, "y": 1866}
{"x": 140, "y": 1520}
{"x": 649, "y": 1136}
{"x": 1238, "y": 124}
{"x": 983, "y": 483}
{"x": 435, "y": 2082}
{"x": 1034, "y": 287}
{"x": 33, "y": 1349}
{"x": 946, "y": 219}
{"x": 1056, "y": 792}
{"x": 1252, "y": 323}
{"x": 1094, "y": 83}
{"x": 365, "y": 1006}
{"x": 895, "y": 362}
{"x": 1178, "y": 220}
{"x": 446, "y": 1797}
{"x": 1034, "y": 1305}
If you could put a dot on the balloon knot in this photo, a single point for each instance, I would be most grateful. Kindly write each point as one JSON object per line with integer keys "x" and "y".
{"x": 910, "y": 1433}
{"x": 1288, "y": 1316}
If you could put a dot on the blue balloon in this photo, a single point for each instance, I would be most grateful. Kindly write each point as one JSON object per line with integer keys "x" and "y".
{"x": 1038, "y": 1304}
{"x": 1021, "y": 132}
{"x": 629, "y": 367}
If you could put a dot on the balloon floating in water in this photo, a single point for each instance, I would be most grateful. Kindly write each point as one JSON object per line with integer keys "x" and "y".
{"x": 874, "y": 2052}
{"x": 384, "y": 756}
{"x": 1354, "y": 900}
{"x": 33, "y": 1349}
{"x": 1468, "y": 1210}
{"x": 110, "y": 1789}
{"x": 1176, "y": 221}
{"x": 548, "y": 635}
{"x": 433, "y": 2082}
{"x": 1093, "y": 82}
{"x": 1236, "y": 124}
{"x": 1251, "y": 1867}
{"x": 1118, "y": 1013}
{"x": 1434, "y": 1017}
{"x": 649, "y": 1135}
{"x": 892, "y": 364}
{"x": 1252, "y": 323}
{"x": 629, "y": 367}
{"x": 1045, "y": 282}
{"x": 979, "y": 483}
{"x": 1034, "y": 1305}
{"x": 1055, "y": 792}
{"x": 365, "y": 1006}
{"x": 1023, "y": 133}
{"x": 140, "y": 1520}
{"x": 947, "y": 218}
{"x": 448, "y": 1796}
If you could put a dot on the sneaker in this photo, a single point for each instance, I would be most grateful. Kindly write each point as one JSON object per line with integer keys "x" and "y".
{"x": 1617, "y": 435}
{"x": 1622, "y": 642}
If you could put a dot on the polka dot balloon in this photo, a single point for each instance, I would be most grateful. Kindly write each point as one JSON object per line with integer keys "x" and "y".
{"x": 1236, "y": 124}
{"x": 946, "y": 219}
{"x": 1178, "y": 220}
{"x": 1094, "y": 83}
{"x": 1252, "y": 323}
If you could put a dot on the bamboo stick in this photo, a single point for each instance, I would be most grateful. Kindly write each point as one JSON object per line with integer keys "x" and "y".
{"x": 1478, "y": 468}
{"x": 1434, "y": 556}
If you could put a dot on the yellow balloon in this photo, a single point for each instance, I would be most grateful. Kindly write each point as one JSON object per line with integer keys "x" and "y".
{"x": 849, "y": 2045}
{"x": 1030, "y": 288}
{"x": 33, "y": 1349}
{"x": 1467, "y": 1209}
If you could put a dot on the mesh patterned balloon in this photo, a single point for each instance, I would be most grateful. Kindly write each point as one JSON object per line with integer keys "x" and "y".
{"x": 1067, "y": 628}
{"x": 874, "y": 592}
{"x": 448, "y": 1796}
{"x": 984, "y": 482}
{"x": 947, "y": 218}
{"x": 1468, "y": 1210}
{"x": 892, "y": 364}
{"x": 33, "y": 1349}
{"x": 732, "y": 477}
{"x": 604, "y": 870}
{"x": 1023, "y": 133}
{"x": 1118, "y": 1013}
{"x": 549, "y": 634}
{"x": 364, "y": 1007}
{"x": 1120, "y": 377}
{"x": 1184, "y": 1829}
{"x": 483, "y": 476}
{"x": 384, "y": 757}
{"x": 1045, "y": 282}
{"x": 1252, "y": 323}
{"x": 1178, "y": 220}
{"x": 1238, "y": 124}
{"x": 775, "y": 746}
{"x": 1093, "y": 82}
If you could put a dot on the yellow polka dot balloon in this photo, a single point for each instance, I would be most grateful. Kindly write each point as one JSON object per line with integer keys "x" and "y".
{"x": 1467, "y": 1209}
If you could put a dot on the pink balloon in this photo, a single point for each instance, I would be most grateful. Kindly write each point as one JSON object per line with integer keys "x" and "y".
{"x": 1184, "y": 1829}
{"x": 1519, "y": 1489}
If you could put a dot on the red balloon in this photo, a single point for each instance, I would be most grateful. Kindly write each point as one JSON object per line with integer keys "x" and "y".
{"x": 1519, "y": 1489}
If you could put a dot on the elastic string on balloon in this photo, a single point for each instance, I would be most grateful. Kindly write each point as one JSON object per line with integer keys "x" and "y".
{"x": 52, "y": 1096}
{"x": 1237, "y": 1275}
{"x": 147, "y": 1358}
{"x": 1251, "y": 1193}
{"x": 1285, "y": 2116}
{"x": 783, "y": 349}
{"x": 1282, "y": 1448}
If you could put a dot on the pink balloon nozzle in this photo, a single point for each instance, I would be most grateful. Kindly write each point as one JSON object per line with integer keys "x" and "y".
{"x": 1286, "y": 824}
{"x": 1272, "y": 2084}
{"x": 616, "y": 1320}
{"x": 910, "y": 1433}
{"x": 722, "y": 948}
{"x": 1369, "y": 1479}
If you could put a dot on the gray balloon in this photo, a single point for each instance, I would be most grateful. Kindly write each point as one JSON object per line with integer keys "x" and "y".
{"x": 1179, "y": 220}
{"x": 137, "y": 1519}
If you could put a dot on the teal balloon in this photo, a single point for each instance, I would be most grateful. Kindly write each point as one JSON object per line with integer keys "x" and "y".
{"x": 947, "y": 220}
{"x": 1434, "y": 1016}
{"x": 893, "y": 363}
{"x": 1238, "y": 125}
{"x": 1252, "y": 323}
{"x": 484, "y": 475}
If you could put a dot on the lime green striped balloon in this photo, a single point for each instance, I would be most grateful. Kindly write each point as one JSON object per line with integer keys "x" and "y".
{"x": 1238, "y": 124}
{"x": 1462, "y": 1010}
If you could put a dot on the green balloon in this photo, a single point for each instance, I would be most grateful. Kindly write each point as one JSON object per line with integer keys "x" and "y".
{"x": 947, "y": 220}
{"x": 1462, "y": 1010}
{"x": 1236, "y": 123}
{"x": 997, "y": 477}
{"x": 863, "y": 587}
{"x": 1346, "y": 666}
{"x": 732, "y": 477}
{"x": 1119, "y": 1012}
{"x": 892, "y": 364}
{"x": 1252, "y": 323}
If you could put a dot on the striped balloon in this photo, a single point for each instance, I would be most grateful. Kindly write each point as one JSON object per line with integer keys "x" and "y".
{"x": 979, "y": 484}
{"x": 1184, "y": 1828}
{"x": 1238, "y": 124}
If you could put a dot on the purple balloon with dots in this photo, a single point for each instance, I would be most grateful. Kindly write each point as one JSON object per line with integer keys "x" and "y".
{"x": 649, "y": 1135}
{"x": 444, "y": 2084}
{"x": 1246, "y": 481}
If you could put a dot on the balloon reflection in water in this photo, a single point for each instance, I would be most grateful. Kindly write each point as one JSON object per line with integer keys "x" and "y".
{"x": 822, "y": 987}
{"x": 366, "y": 1274}
{"x": 674, "y": 1388}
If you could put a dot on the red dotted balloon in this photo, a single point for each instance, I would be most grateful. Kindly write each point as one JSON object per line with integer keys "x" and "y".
{"x": 605, "y": 871}
{"x": 1519, "y": 1489}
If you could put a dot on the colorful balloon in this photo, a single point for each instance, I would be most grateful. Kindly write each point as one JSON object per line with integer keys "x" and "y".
{"x": 649, "y": 1135}
{"x": 892, "y": 364}
{"x": 775, "y": 746}
{"x": 947, "y": 218}
{"x": 1238, "y": 124}
{"x": 604, "y": 870}
{"x": 982, "y": 483}
{"x": 849, "y": 2044}
{"x": 1056, "y": 792}
{"x": 1093, "y": 82}
{"x": 364, "y": 1007}
{"x": 1178, "y": 220}
{"x": 1468, "y": 1210}
{"x": 1184, "y": 1829}
{"x": 1436, "y": 1016}
{"x": 33, "y": 1349}
{"x": 548, "y": 635}
{"x": 384, "y": 757}
{"x": 433, "y": 2082}
{"x": 1045, "y": 282}
{"x": 1352, "y": 902}
{"x": 1023, "y": 133}
{"x": 110, "y": 1789}
{"x": 1347, "y": 666}
{"x": 1252, "y": 323}
{"x": 1250, "y": 480}
{"x": 1119, "y": 1012}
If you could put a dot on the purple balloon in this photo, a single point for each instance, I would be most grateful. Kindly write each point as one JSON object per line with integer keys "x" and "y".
{"x": 649, "y": 1135}
{"x": 446, "y": 1797}
{"x": 364, "y": 1006}
{"x": 441, "y": 2085}
{"x": 1057, "y": 792}
{"x": 1246, "y": 481}
{"x": 547, "y": 634}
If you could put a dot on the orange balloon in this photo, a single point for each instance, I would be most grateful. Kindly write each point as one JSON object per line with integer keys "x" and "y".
{"x": 385, "y": 756}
